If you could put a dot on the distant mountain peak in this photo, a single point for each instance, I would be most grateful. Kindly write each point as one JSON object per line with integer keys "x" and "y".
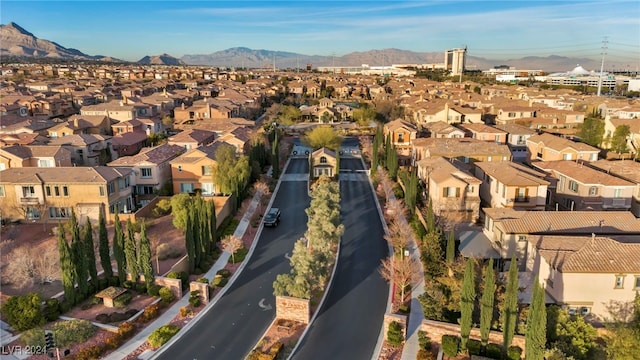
{"x": 163, "y": 59}
{"x": 19, "y": 29}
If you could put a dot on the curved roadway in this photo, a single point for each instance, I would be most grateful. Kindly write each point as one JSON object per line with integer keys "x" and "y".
{"x": 238, "y": 320}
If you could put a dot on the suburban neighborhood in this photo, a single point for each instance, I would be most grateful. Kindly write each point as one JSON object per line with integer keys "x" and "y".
{"x": 465, "y": 216}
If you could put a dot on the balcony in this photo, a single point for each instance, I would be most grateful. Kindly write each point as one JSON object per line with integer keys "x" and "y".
{"x": 32, "y": 200}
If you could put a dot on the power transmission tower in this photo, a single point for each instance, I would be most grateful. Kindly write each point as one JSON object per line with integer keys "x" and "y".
{"x": 604, "y": 52}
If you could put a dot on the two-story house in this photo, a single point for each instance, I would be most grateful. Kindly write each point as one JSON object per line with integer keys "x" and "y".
{"x": 517, "y": 136}
{"x": 195, "y": 170}
{"x": 627, "y": 170}
{"x": 87, "y": 150}
{"x": 34, "y": 156}
{"x": 580, "y": 187}
{"x": 548, "y": 147}
{"x": 151, "y": 167}
{"x": 484, "y": 133}
{"x": 192, "y": 138}
{"x": 453, "y": 191}
{"x": 401, "y": 134}
{"x": 441, "y": 129}
{"x": 466, "y": 150}
{"x": 509, "y": 184}
{"x": 49, "y": 194}
{"x": 324, "y": 162}
{"x": 585, "y": 274}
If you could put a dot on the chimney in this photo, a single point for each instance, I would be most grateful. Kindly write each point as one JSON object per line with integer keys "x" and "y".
{"x": 182, "y": 106}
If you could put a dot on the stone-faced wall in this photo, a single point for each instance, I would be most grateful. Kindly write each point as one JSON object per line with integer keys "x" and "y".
{"x": 291, "y": 308}
{"x": 174, "y": 284}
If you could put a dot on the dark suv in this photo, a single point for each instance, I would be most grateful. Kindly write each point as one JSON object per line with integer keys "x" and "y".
{"x": 272, "y": 218}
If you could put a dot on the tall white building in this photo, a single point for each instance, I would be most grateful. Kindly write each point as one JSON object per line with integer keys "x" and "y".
{"x": 454, "y": 60}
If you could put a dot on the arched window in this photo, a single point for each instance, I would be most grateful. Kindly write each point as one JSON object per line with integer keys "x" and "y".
{"x": 323, "y": 160}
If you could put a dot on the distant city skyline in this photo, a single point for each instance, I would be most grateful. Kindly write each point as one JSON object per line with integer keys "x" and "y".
{"x": 490, "y": 29}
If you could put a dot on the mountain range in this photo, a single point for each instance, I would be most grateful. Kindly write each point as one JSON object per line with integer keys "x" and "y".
{"x": 18, "y": 42}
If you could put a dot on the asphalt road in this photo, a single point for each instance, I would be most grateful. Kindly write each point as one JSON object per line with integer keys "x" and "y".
{"x": 349, "y": 322}
{"x": 236, "y": 322}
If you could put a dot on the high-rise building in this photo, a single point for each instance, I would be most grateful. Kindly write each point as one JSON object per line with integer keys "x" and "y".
{"x": 454, "y": 60}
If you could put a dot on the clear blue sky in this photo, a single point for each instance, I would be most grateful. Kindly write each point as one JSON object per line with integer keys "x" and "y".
{"x": 130, "y": 30}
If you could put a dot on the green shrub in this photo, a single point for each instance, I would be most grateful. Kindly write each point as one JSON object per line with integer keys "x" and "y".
{"x": 425, "y": 355}
{"x": 72, "y": 332}
{"x": 182, "y": 275}
{"x": 51, "y": 310}
{"x": 394, "y": 334}
{"x": 126, "y": 329}
{"x": 228, "y": 227}
{"x": 514, "y": 353}
{"x": 238, "y": 256}
{"x": 23, "y": 311}
{"x": 493, "y": 351}
{"x": 474, "y": 347}
{"x": 103, "y": 284}
{"x": 219, "y": 281}
{"x": 166, "y": 295}
{"x": 79, "y": 298}
{"x": 154, "y": 290}
{"x": 398, "y": 192}
{"x": 128, "y": 284}
{"x": 150, "y": 312}
{"x": 90, "y": 353}
{"x": 203, "y": 280}
{"x": 141, "y": 288}
{"x": 114, "y": 280}
{"x": 418, "y": 228}
{"x": 450, "y": 345}
{"x": 33, "y": 338}
{"x": 103, "y": 318}
{"x": 122, "y": 300}
{"x": 96, "y": 300}
{"x": 194, "y": 298}
{"x": 162, "y": 334}
{"x": 224, "y": 273}
{"x": 424, "y": 341}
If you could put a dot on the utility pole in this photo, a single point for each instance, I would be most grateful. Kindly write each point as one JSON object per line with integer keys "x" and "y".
{"x": 604, "y": 52}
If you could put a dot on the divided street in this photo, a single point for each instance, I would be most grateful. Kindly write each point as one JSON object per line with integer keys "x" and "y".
{"x": 349, "y": 322}
{"x": 238, "y": 320}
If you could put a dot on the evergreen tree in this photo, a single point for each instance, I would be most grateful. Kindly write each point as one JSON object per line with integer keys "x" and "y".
{"x": 536, "y": 337}
{"x": 411, "y": 197}
{"x": 67, "y": 268}
{"x": 212, "y": 226}
{"x": 78, "y": 255}
{"x": 118, "y": 249}
{"x": 430, "y": 218}
{"x": 451, "y": 247}
{"x": 195, "y": 223}
{"x": 510, "y": 307}
{"x": 190, "y": 242}
{"x": 90, "y": 252}
{"x": 386, "y": 148}
{"x": 103, "y": 246}
{"x": 337, "y": 172}
{"x": 275, "y": 158}
{"x": 130, "y": 251}
{"x": 310, "y": 167}
{"x": 392, "y": 163}
{"x": 375, "y": 146}
{"x": 486, "y": 304}
{"x": 467, "y": 301}
{"x": 144, "y": 260}
{"x": 203, "y": 226}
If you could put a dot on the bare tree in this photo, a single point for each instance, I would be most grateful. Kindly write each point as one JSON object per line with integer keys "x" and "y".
{"x": 403, "y": 272}
{"x": 385, "y": 184}
{"x": 367, "y": 146}
{"x": 21, "y": 269}
{"x": 231, "y": 244}
{"x": 263, "y": 190}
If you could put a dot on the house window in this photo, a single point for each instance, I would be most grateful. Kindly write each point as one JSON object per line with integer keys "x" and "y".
{"x": 59, "y": 212}
{"x": 566, "y": 156}
{"x": 617, "y": 193}
{"x": 497, "y": 138}
{"x": 101, "y": 189}
{"x": 32, "y": 213}
{"x": 111, "y": 188}
{"x": 450, "y": 192}
{"x": 470, "y": 189}
{"x": 593, "y": 157}
{"x": 465, "y": 159}
{"x": 400, "y": 137}
{"x": 28, "y": 191}
{"x": 522, "y": 237}
{"x": 207, "y": 170}
{"x": 619, "y": 282}
{"x": 145, "y": 172}
{"x": 521, "y": 195}
{"x": 593, "y": 191}
{"x": 45, "y": 163}
{"x": 184, "y": 187}
{"x": 637, "y": 283}
{"x": 179, "y": 168}
{"x": 488, "y": 158}
{"x": 573, "y": 186}
{"x": 323, "y": 160}
{"x": 207, "y": 188}
{"x": 521, "y": 140}
{"x": 65, "y": 190}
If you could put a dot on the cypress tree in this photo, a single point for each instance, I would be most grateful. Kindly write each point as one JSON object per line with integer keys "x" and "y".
{"x": 486, "y": 304}
{"x": 467, "y": 302}
{"x": 67, "y": 268}
{"x": 392, "y": 162}
{"x": 196, "y": 232}
{"x": 78, "y": 255}
{"x": 411, "y": 197}
{"x": 212, "y": 226}
{"x": 275, "y": 160}
{"x": 118, "y": 249}
{"x": 130, "y": 252}
{"x": 189, "y": 242}
{"x": 145, "y": 263}
{"x": 204, "y": 230}
{"x": 90, "y": 252}
{"x": 103, "y": 246}
{"x": 310, "y": 167}
{"x": 430, "y": 218}
{"x": 451, "y": 247}
{"x": 510, "y": 309}
{"x": 536, "y": 337}
{"x": 337, "y": 172}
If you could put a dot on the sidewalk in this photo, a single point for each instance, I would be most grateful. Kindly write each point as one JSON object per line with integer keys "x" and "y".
{"x": 166, "y": 317}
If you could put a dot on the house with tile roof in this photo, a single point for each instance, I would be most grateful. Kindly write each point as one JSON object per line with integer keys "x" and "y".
{"x": 34, "y": 156}
{"x": 151, "y": 167}
{"x": 453, "y": 191}
{"x": 194, "y": 170}
{"x": 49, "y": 194}
{"x": 192, "y": 138}
{"x": 517, "y": 136}
{"x": 128, "y": 143}
{"x": 324, "y": 162}
{"x": 512, "y": 185}
{"x": 466, "y": 150}
{"x": 401, "y": 134}
{"x": 580, "y": 187}
{"x": 87, "y": 150}
{"x": 633, "y": 140}
{"x": 22, "y": 139}
{"x": 625, "y": 169}
{"x": 484, "y": 132}
{"x": 585, "y": 274}
{"x": 548, "y": 147}
{"x": 441, "y": 129}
